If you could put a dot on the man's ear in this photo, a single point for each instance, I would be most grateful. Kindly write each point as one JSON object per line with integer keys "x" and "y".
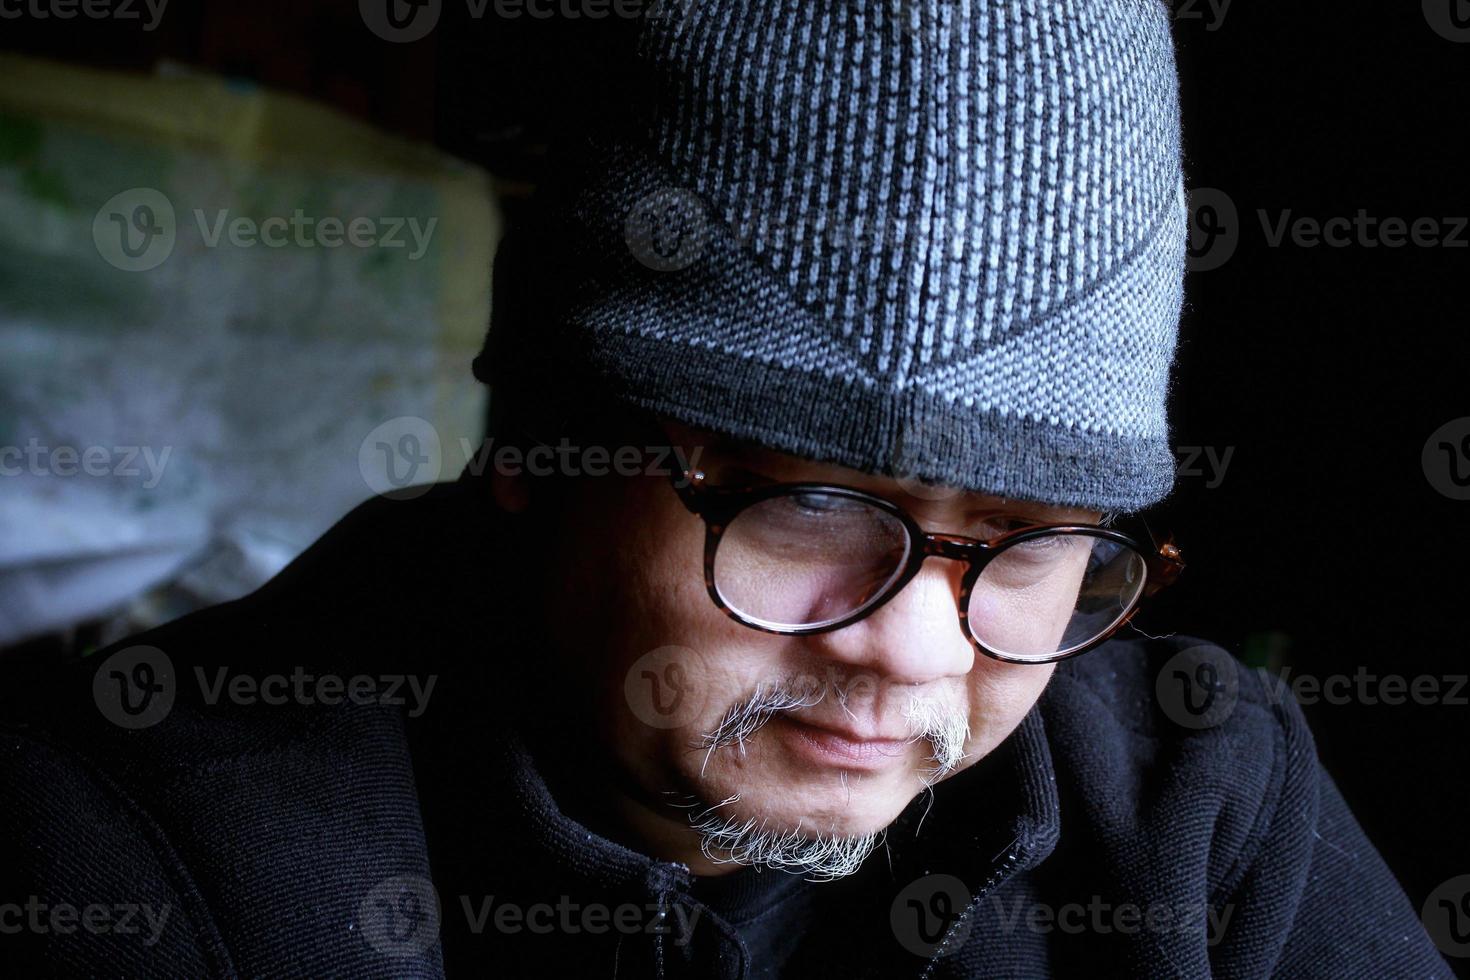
{"x": 511, "y": 492}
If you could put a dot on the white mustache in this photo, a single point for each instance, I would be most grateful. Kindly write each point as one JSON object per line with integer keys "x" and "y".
{"x": 944, "y": 725}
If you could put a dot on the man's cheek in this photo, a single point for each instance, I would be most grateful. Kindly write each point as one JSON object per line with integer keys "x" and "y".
{"x": 1000, "y": 696}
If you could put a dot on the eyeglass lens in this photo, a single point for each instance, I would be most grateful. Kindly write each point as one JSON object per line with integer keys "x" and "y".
{"x": 813, "y": 558}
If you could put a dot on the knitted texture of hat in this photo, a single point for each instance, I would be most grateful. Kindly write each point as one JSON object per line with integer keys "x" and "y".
{"x": 935, "y": 239}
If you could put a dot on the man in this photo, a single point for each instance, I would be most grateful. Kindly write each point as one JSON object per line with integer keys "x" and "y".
{"x": 875, "y": 306}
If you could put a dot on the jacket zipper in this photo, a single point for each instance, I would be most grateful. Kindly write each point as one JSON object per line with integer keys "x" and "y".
{"x": 1002, "y": 870}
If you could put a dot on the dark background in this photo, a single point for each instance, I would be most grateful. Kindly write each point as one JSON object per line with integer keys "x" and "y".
{"x": 1324, "y": 547}
{"x": 1328, "y": 369}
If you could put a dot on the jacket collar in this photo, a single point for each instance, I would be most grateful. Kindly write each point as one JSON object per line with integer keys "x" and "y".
{"x": 1003, "y": 809}
{"x": 996, "y": 819}
{"x": 999, "y": 818}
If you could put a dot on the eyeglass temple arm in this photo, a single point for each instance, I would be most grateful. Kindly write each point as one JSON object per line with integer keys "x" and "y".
{"x": 688, "y": 484}
{"x": 1166, "y": 561}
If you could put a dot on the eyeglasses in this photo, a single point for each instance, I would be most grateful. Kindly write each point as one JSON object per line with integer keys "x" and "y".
{"x": 804, "y": 558}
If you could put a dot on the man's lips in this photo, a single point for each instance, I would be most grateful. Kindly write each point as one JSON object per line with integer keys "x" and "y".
{"x": 844, "y": 747}
{"x": 853, "y": 733}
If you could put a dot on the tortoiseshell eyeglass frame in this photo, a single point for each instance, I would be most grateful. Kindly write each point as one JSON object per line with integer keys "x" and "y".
{"x": 717, "y": 506}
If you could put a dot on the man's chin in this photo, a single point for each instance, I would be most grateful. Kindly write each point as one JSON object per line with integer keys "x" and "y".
{"x": 804, "y": 799}
{"x": 819, "y": 844}
{"x": 826, "y": 809}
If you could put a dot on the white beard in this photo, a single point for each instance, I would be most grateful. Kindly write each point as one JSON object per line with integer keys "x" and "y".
{"x": 729, "y": 839}
{"x": 747, "y": 842}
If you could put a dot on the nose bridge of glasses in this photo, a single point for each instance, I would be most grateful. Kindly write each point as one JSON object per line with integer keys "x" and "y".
{"x": 954, "y": 546}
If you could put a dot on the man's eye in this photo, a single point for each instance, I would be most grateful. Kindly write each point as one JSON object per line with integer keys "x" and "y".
{"x": 823, "y": 503}
{"x": 1042, "y": 545}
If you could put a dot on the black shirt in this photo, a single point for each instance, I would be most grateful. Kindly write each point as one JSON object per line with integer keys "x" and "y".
{"x": 770, "y": 909}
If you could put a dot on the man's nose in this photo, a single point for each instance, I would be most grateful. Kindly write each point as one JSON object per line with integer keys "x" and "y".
{"x": 914, "y": 638}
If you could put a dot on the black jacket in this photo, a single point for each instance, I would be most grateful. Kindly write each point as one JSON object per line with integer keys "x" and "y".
{"x": 258, "y": 840}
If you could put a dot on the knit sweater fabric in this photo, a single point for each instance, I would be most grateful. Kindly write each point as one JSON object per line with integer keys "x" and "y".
{"x": 312, "y": 839}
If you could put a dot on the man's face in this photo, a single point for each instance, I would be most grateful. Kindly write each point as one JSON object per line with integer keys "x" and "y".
{"x": 667, "y": 677}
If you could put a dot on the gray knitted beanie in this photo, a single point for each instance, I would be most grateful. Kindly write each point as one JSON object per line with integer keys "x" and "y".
{"x": 935, "y": 239}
